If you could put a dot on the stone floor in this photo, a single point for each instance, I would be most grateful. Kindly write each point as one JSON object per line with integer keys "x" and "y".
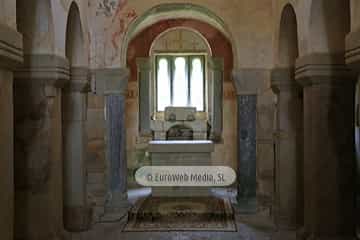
{"x": 255, "y": 227}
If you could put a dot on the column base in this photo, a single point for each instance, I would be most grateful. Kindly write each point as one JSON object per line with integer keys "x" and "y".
{"x": 284, "y": 235}
{"x": 303, "y": 234}
{"x": 246, "y": 206}
{"x": 117, "y": 208}
{"x": 331, "y": 238}
{"x": 77, "y": 219}
{"x": 285, "y": 223}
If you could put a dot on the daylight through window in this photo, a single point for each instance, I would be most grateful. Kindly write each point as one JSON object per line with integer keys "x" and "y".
{"x": 180, "y": 81}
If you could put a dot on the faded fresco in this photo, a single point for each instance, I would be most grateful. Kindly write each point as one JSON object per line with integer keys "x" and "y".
{"x": 117, "y": 17}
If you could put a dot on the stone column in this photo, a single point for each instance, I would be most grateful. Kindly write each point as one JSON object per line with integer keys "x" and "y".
{"x": 77, "y": 212}
{"x": 288, "y": 148}
{"x": 216, "y": 66}
{"x": 329, "y": 163}
{"x": 113, "y": 84}
{"x": 145, "y": 105}
{"x": 353, "y": 61}
{"x": 246, "y": 88}
{"x": 10, "y": 57}
{"x": 38, "y": 147}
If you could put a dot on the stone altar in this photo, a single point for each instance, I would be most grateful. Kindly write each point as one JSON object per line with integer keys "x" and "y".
{"x": 181, "y": 153}
{"x": 180, "y": 116}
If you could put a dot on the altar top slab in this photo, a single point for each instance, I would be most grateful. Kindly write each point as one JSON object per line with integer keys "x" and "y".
{"x": 194, "y": 146}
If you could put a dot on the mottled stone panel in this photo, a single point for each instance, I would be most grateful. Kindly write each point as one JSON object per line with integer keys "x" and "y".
{"x": 247, "y": 147}
{"x": 115, "y": 109}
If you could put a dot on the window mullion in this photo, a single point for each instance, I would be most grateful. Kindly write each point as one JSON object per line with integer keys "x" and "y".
{"x": 171, "y": 66}
{"x": 188, "y": 69}
{"x": 204, "y": 81}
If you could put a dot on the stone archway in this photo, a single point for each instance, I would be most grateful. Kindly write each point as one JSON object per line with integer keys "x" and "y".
{"x": 172, "y": 11}
{"x": 139, "y": 59}
{"x": 355, "y": 15}
{"x": 328, "y": 26}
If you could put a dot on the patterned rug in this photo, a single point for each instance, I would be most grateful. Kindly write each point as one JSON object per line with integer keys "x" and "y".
{"x": 181, "y": 214}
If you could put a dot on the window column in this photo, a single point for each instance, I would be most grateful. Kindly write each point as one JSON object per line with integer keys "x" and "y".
{"x": 145, "y": 103}
{"x": 216, "y": 66}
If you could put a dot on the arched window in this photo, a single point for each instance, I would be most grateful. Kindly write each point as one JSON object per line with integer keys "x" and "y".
{"x": 163, "y": 84}
{"x": 180, "y": 81}
{"x": 197, "y": 84}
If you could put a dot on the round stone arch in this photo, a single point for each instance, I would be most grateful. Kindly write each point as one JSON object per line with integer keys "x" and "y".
{"x": 82, "y": 16}
{"x": 329, "y": 24}
{"x": 77, "y": 213}
{"x": 183, "y": 39}
{"x": 200, "y": 38}
{"x": 8, "y": 13}
{"x": 141, "y": 44}
{"x": 355, "y": 15}
{"x": 288, "y": 7}
{"x": 37, "y": 29}
{"x": 74, "y": 44}
{"x": 288, "y": 43}
{"x": 140, "y": 48}
{"x": 170, "y": 11}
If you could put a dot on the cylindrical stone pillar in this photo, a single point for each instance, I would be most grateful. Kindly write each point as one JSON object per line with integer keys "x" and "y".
{"x": 77, "y": 212}
{"x": 329, "y": 162}
{"x": 11, "y": 56}
{"x": 6, "y": 155}
{"x": 352, "y": 57}
{"x": 38, "y": 148}
{"x": 289, "y": 157}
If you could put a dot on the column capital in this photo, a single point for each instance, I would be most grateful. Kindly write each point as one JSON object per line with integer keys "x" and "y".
{"x": 110, "y": 81}
{"x": 143, "y": 64}
{"x": 352, "y": 55}
{"x": 11, "y": 48}
{"x": 43, "y": 69}
{"x": 216, "y": 63}
{"x": 79, "y": 80}
{"x": 323, "y": 68}
{"x": 248, "y": 80}
{"x": 283, "y": 79}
